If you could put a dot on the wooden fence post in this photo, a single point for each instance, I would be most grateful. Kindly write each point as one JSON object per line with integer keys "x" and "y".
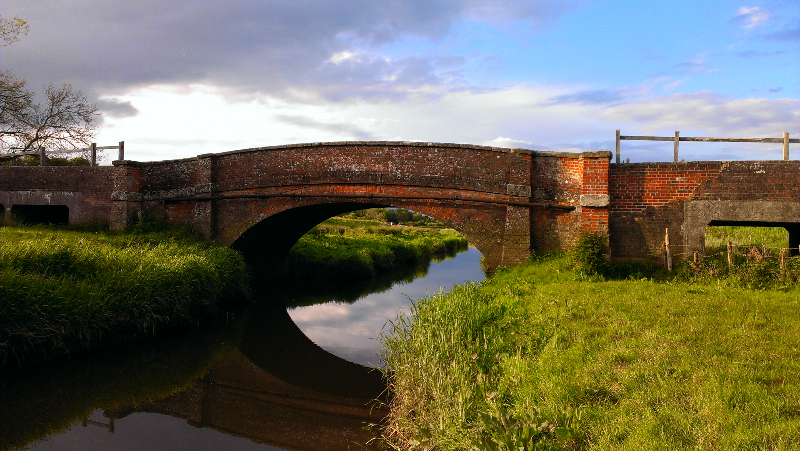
{"x": 677, "y": 143}
{"x": 93, "y": 148}
{"x": 785, "y": 146}
{"x": 121, "y": 150}
{"x": 783, "y": 260}
{"x": 42, "y": 160}
{"x": 730, "y": 253}
{"x": 669, "y": 251}
{"x": 617, "y": 146}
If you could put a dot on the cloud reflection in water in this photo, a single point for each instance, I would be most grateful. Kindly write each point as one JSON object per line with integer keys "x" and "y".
{"x": 350, "y": 331}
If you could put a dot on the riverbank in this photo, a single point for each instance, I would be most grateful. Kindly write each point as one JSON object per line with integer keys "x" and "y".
{"x": 355, "y": 255}
{"x": 66, "y": 291}
{"x": 542, "y": 353}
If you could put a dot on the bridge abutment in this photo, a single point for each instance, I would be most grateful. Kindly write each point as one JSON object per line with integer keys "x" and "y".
{"x": 516, "y": 241}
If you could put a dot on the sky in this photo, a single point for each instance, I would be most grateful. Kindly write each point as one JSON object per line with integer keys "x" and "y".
{"x": 178, "y": 78}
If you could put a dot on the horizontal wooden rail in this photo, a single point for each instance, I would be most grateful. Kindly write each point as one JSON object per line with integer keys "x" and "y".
{"x": 92, "y": 149}
{"x": 677, "y": 138}
{"x": 722, "y": 140}
{"x": 377, "y": 196}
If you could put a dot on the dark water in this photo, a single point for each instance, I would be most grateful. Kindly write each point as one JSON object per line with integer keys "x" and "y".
{"x": 265, "y": 379}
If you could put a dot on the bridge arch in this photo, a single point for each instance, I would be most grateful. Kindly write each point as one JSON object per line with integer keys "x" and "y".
{"x": 492, "y": 196}
{"x": 268, "y": 240}
{"x": 505, "y": 201}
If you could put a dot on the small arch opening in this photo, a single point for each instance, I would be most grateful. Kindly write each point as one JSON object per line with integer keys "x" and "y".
{"x": 769, "y": 236}
{"x": 40, "y": 214}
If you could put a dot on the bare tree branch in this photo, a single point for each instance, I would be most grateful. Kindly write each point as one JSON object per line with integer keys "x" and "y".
{"x": 65, "y": 121}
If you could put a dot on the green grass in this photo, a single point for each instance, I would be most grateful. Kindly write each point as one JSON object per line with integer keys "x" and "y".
{"x": 342, "y": 249}
{"x": 64, "y": 291}
{"x": 542, "y": 357}
{"x": 717, "y": 237}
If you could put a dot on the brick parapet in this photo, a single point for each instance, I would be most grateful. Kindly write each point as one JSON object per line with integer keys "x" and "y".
{"x": 86, "y": 191}
{"x": 637, "y": 186}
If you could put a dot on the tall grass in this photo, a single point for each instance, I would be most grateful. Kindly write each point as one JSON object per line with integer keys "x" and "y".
{"x": 756, "y": 262}
{"x": 63, "y": 291}
{"x": 341, "y": 250}
{"x": 542, "y": 357}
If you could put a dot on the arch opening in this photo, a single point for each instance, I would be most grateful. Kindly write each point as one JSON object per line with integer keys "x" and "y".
{"x": 366, "y": 251}
{"x": 266, "y": 244}
{"x": 41, "y": 214}
{"x": 775, "y": 235}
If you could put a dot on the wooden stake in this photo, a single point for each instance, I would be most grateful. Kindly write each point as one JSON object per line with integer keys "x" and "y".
{"x": 677, "y": 143}
{"x": 783, "y": 259}
{"x": 785, "y": 146}
{"x": 730, "y": 253}
{"x": 669, "y": 252}
{"x": 695, "y": 260}
{"x": 93, "y": 148}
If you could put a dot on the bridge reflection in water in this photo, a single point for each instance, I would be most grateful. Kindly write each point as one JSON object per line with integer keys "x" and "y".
{"x": 281, "y": 389}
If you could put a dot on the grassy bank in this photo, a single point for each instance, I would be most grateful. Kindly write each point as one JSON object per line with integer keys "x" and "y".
{"x": 64, "y": 291}
{"x": 543, "y": 357}
{"x": 345, "y": 249}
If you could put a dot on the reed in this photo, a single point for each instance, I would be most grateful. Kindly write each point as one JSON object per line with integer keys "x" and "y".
{"x": 341, "y": 250}
{"x": 64, "y": 291}
{"x": 542, "y": 357}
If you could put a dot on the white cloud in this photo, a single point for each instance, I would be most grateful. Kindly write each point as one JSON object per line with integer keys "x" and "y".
{"x": 253, "y": 46}
{"x": 340, "y": 57}
{"x": 754, "y": 17}
{"x": 176, "y": 123}
{"x": 709, "y": 113}
{"x": 501, "y": 141}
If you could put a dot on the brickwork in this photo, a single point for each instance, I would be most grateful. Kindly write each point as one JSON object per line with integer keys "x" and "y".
{"x": 85, "y": 191}
{"x": 402, "y": 171}
{"x": 634, "y": 187}
{"x": 476, "y": 190}
{"x": 648, "y": 198}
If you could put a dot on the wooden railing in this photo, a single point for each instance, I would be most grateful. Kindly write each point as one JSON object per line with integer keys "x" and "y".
{"x": 92, "y": 149}
{"x": 677, "y": 139}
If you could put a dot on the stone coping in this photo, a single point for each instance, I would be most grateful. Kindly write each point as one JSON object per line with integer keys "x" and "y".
{"x": 535, "y": 153}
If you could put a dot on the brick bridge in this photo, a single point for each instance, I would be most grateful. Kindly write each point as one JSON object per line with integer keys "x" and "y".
{"x": 504, "y": 201}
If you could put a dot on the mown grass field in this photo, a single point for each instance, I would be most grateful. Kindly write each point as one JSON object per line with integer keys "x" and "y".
{"x": 63, "y": 291}
{"x": 543, "y": 357}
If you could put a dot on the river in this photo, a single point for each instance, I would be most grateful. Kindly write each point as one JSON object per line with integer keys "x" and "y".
{"x": 269, "y": 378}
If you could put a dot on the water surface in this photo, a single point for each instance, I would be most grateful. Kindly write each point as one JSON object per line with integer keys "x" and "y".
{"x": 268, "y": 379}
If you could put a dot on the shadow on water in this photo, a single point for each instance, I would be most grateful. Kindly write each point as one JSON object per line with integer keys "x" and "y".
{"x": 305, "y": 291}
{"x": 283, "y": 350}
{"x": 252, "y": 380}
{"x": 256, "y": 377}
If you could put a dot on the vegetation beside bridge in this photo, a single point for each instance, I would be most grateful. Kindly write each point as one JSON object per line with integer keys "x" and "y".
{"x": 544, "y": 356}
{"x": 366, "y": 251}
{"x": 65, "y": 291}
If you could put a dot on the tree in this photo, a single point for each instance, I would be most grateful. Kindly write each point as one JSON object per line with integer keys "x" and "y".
{"x": 11, "y": 28}
{"x": 67, "y": 120}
